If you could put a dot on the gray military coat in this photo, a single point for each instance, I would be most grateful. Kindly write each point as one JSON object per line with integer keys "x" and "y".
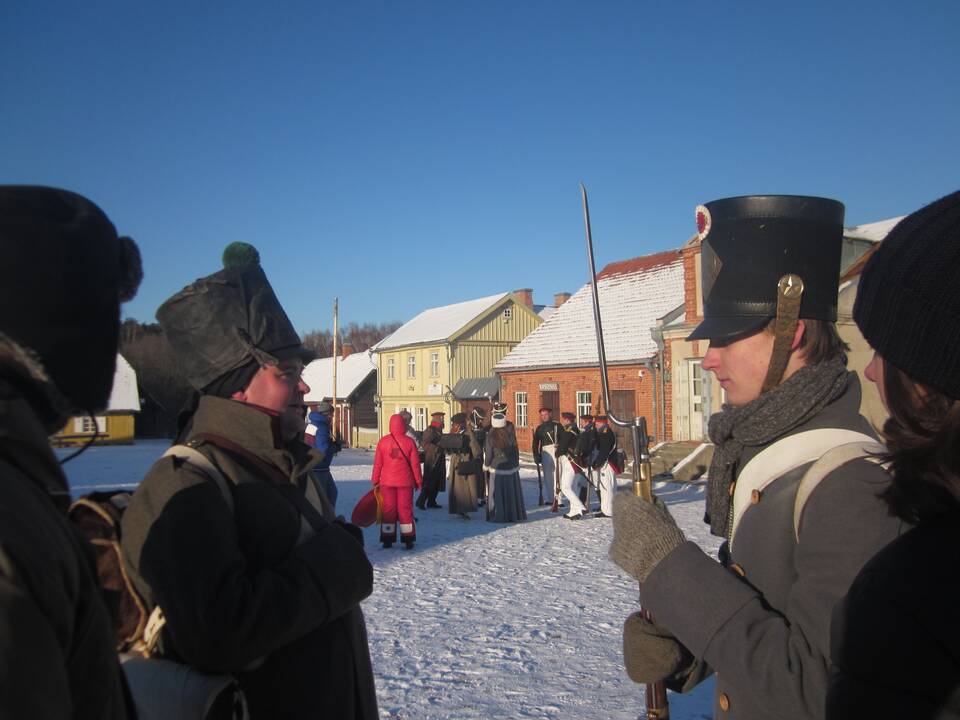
{"x": 763, "y": 624}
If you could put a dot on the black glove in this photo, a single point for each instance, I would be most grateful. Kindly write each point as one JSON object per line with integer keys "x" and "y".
{"x": 354, "y": 531}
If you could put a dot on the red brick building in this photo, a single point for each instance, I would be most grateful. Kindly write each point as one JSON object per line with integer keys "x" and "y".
{"x": 556, "y": 365}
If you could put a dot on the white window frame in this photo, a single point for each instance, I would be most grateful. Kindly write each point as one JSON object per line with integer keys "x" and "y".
{"x": 435, "y": 364}
{"x": 412, "y": 366}
{"x": 83, "y": 424}
{"x": 391, "y": 369}
{"x": 520, "y": 403}
{"x": 584, "y": 403}
{"x": 420, "y": 422}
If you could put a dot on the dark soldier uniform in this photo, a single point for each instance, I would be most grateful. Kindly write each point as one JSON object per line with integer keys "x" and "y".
{"x": 434, "y": 467}
{"x": 567, "y": 444}
{"x": 545, "y": 453}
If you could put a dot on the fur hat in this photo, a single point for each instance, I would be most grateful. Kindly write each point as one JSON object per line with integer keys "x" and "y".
{"x": 63, "y": 276}
{"x": 908, "y": 298}
{"x": 226, "y": 320}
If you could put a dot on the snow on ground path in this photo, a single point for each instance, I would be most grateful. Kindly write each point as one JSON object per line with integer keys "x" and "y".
{"x": 483, "y": 620}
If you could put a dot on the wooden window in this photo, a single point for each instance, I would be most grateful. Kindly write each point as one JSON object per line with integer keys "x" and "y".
{"x": 507, "y": 313}
{"x": 86, "y": 424}
{"x": 434, "y": 364}
{"x": 421, "y": 422}
{"x": 584, "y": 403}
{"x": 411, "y": 366}
{"x": 520, "y": 400}
{"x": 391, "y": 369}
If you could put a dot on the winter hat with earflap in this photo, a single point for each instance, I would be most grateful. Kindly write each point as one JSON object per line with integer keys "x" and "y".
{"x": 224, "y": 321}
{"x": 63, "y": 276}
{"x": 908, "y": 298}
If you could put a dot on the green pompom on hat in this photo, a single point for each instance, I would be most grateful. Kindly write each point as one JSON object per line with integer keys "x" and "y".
{"x": 240, "y": 253}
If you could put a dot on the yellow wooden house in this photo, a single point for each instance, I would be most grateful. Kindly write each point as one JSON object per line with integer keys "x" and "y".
{"x": 114, "y": 425}
{"x": 419, "y": 364}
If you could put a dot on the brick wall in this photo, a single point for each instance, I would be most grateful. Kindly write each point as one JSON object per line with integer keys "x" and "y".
{"x": 691, "y": 257}
{"x": 571, "y": 380}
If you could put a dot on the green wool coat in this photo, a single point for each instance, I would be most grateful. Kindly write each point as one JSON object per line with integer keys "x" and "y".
{"x": 254, "y": 591}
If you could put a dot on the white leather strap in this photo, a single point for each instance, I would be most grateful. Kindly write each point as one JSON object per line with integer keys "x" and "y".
{"x": 828, "y": 462}
{"x": 783, "y": 456}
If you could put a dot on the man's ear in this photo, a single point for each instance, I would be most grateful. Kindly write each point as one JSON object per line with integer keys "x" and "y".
{"x": 798, "y": 335}
{"x": 239, "y": 395}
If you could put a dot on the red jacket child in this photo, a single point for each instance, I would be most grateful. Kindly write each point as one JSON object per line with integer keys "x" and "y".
{"x": 396, "y": 470}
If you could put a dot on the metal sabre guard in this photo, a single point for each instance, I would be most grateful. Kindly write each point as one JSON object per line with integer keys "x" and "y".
{"x": 656, "y": 694}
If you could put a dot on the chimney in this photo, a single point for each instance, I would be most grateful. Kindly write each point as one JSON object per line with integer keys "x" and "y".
{"x": 346, "y": 350}
{"x": 560, "y": 298}
{"x": 525, "y": 295}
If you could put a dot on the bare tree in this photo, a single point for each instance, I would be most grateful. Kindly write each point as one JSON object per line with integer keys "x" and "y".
{"x": 361, "y": 337}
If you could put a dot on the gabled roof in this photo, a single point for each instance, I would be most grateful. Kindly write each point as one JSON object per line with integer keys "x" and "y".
{"x": 439, "y": 323}
{"x": 633, "y": 295}
{"x": 124, "y": 396}
{"x": 351, "y": 372}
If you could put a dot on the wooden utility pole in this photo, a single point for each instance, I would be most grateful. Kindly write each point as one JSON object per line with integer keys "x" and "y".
{"x": 336, "y": 354}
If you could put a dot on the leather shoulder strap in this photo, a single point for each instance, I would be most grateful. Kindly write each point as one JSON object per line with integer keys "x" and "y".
{"x": 197, "y": 459}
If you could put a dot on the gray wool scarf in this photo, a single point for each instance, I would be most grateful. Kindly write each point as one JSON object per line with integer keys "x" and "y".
{"x": 761, "y": 421}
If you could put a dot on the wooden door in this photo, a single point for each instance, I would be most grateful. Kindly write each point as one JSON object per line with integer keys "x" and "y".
{"x": 549, "y": 399}
{"x": 624, "y": 405}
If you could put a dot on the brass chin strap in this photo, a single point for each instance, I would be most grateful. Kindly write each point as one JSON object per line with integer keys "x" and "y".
{"x": 789, "y": 294}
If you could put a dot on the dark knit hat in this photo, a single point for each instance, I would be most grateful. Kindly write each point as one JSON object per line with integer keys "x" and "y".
{"x": 908, "y": 299}
{"x": 222, "y": 321}
{"x": 63, "y": 276}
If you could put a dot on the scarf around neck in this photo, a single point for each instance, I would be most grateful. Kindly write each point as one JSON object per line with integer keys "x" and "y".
{"x": 761, "y": 421}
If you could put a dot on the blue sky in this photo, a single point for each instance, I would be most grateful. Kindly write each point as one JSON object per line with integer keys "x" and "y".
{"x": 402, "y": 155}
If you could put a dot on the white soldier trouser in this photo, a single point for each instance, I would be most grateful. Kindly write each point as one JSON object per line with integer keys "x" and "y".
{"x": 548, "y": 464}
{"x": 607, "y": 482}
{"x": 568, "y": 486}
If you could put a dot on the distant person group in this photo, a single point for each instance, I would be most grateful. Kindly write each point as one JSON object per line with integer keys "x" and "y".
{"x": 833, "y": 597}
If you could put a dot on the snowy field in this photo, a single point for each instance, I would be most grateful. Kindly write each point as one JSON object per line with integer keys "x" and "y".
{"x": 483, "y": 620}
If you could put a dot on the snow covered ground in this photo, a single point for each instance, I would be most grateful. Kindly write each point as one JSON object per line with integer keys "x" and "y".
{"x": 483, "y": 620}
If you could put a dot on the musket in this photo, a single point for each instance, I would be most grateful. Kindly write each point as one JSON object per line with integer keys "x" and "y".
{"x": 656, "y": 693}
{"x": 540, "y": 484}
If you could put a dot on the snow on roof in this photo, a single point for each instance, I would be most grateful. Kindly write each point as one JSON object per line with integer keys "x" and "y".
{"x": 544, "y": 311}
{"x": 351, "y": 372}
{"x": 875, "y": 231}
{"x": 633, "y": 294}
{"x": 438, "y": 323}
{"x": 124, "y": 396}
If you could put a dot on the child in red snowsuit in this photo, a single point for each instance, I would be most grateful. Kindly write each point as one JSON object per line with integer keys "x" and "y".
{"x": 396, "y": 470}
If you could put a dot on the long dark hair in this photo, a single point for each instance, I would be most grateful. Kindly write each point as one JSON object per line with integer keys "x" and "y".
{"x": 923, "y": 441}
{"x": 501, "y": 438}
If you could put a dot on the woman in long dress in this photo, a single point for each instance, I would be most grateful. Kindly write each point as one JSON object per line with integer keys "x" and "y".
{"x": 462, "y": 498}
{"x": 502, "y": 458}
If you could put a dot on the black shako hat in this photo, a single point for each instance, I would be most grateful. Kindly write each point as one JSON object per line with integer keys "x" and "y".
{"x": 747, "y": 244}
{"x": 224, "y": 321}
